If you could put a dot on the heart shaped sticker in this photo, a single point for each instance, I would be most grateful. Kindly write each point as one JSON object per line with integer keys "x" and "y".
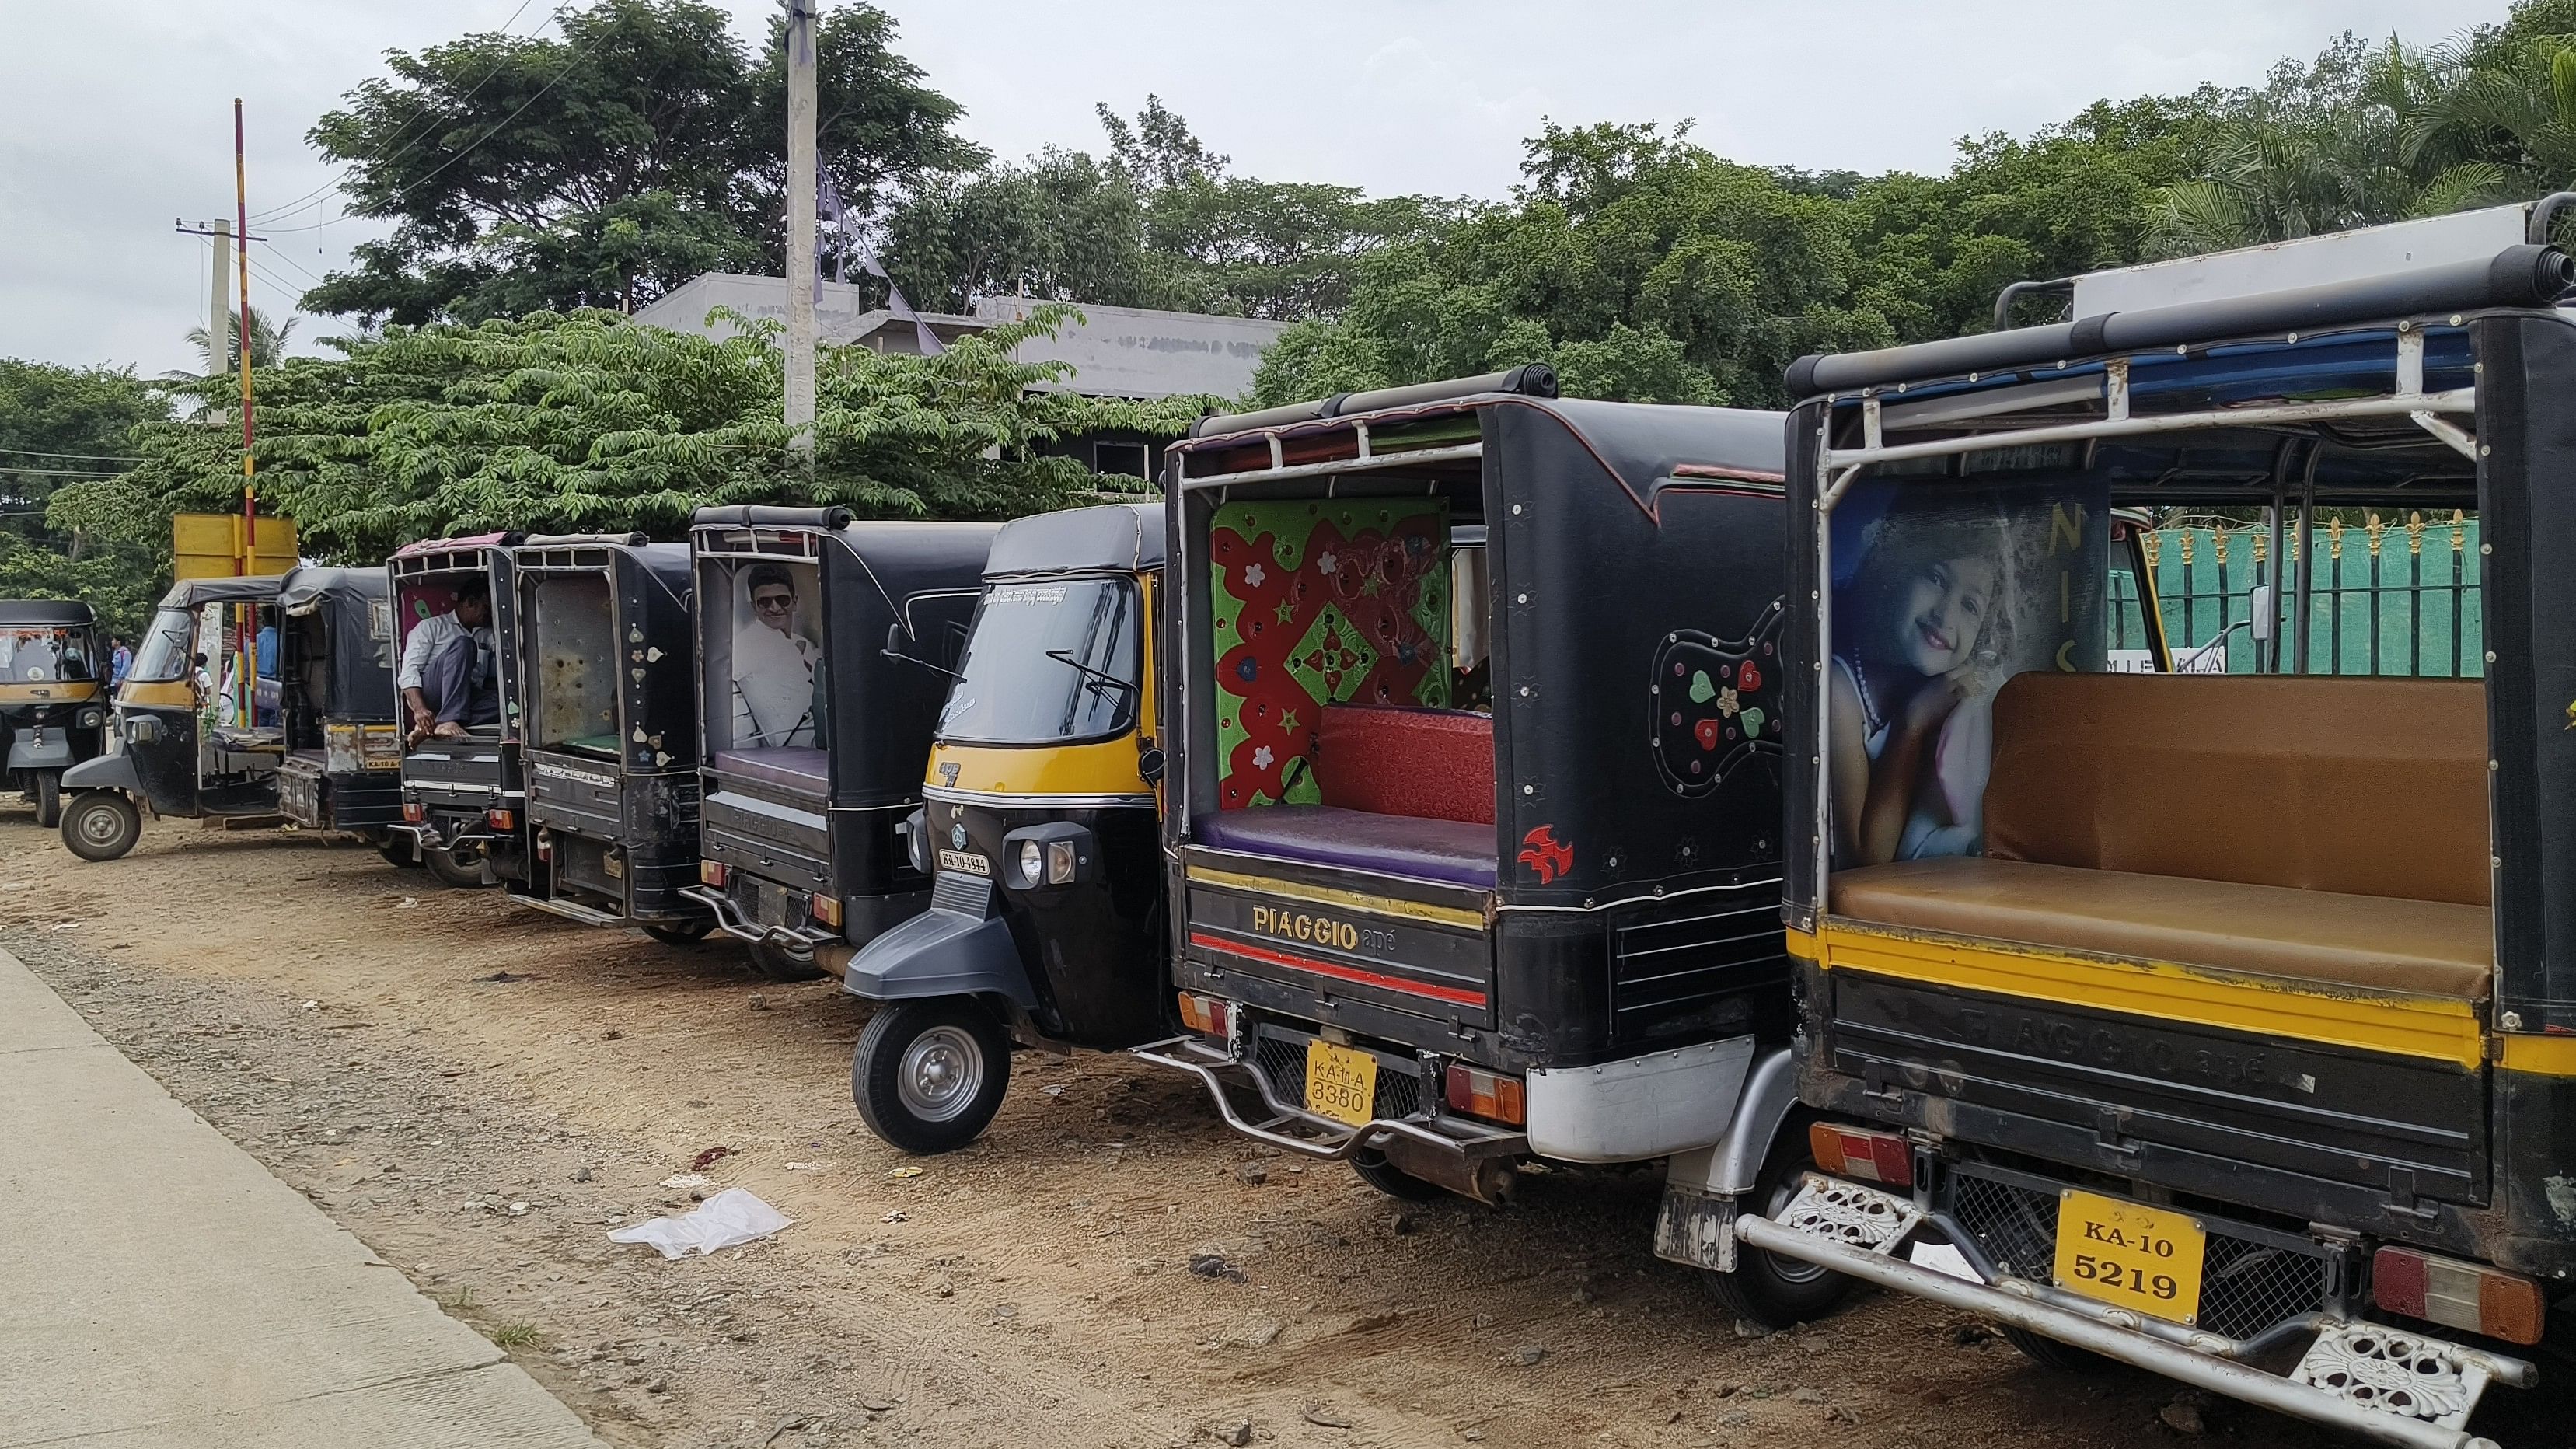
{"x": 1701, "y": 690}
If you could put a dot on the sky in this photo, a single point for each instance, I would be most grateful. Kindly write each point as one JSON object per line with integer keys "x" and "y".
{"x": 116, "y": 121}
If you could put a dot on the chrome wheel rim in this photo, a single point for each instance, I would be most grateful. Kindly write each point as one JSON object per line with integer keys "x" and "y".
{"x": 941, "y": 1072}
{"x": 100, "y": 826}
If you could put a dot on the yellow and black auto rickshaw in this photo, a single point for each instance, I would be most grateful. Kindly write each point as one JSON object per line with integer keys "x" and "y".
{"x": 186, "y": 741}
{"x": 53, "y": 695}
{"x": 1037, "y": 829}
{"x": 2219, "y": 1024}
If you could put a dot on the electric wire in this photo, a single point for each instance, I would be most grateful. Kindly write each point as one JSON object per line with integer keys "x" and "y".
{"x": 85, "y": 457}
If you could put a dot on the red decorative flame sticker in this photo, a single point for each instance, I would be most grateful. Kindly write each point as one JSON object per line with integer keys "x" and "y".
{"x": 1542, "y": 852}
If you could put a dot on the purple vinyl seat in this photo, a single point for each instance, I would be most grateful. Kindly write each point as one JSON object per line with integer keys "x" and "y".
{"x": 1448, "y": 851}
{"x": 804, "y": 770}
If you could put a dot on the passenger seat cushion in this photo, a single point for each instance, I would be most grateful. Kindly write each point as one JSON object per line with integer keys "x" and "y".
{"x": 2371, "y": 943}
{"x": 1432, "y": 764}
{"x": 1448, "y": 851}
{"x": 2359, "y": 787}
{"x": 805, "y": 770}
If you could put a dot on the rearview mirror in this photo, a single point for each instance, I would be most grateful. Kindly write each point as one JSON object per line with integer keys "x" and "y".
{"x": 2265, "y": 618}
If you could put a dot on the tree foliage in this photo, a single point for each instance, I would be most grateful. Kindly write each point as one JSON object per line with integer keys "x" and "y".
{"x": 599, "y": 167}
{"x": 587, "y": 421}
{"x": 58, "y": 427}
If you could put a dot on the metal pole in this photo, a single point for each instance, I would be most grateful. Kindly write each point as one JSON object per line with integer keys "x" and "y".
{"x": 250, "y": 487}
{"x": 800, "y": 229}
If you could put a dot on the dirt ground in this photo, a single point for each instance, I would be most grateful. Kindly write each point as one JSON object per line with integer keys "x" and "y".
{"x": 481, "y": 1092}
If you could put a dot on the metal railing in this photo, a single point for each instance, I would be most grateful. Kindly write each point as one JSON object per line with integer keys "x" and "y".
{"x": 2386, "y": 596}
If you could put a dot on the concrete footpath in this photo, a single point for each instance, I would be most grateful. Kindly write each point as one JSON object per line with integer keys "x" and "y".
{"x": 159, "y": 1290}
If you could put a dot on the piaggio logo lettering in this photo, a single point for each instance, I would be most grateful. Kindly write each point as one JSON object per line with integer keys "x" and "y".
{"x": 1305, "y": 926}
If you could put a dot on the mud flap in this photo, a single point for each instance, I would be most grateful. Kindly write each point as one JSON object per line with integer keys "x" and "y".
{"x": 941, "y": 953}
{"x": 1696, "y": 1227}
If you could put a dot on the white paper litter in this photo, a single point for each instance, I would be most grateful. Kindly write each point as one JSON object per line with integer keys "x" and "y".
{"x": 1942, "y": 1258}
{"x": 730, "y": 1217}
{"x": 686, "y": 1179}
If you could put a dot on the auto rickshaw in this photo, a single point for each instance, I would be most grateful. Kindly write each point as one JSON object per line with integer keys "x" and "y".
{"x": 1475, "y": 699}
{"x": 824, "y": 649}
{"x": 179, "y": 746}
{"x": 1037, "y": 831}
{"x": 610, "y": 691}
{"x": 464, "y": 800}
{"x": 2221, "y": 1025}
{"x": 53, "y": 696}
{"x": 342, "y": 769}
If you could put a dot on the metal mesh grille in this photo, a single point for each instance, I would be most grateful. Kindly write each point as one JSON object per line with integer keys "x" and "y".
{"x": 2246, "y": 1285}
{"x": 1282, "y": 1060}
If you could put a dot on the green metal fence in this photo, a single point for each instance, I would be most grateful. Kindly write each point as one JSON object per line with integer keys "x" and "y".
{"x": 2396, "y": 596}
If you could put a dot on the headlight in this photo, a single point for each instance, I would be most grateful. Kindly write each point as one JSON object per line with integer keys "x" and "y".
{"x": 916, "y": 840}
{"x": 89, "y": 719}
{"x": 1031, "y": 861}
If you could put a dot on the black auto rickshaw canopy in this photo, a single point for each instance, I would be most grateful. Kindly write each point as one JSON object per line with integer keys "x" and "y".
{"x": 346, "y": 612}
{"x": 53, "y": 613}
{"x": 607, "y": 654}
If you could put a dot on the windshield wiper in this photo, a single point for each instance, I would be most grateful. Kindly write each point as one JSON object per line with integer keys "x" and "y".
{"x": 1100, "y": 677}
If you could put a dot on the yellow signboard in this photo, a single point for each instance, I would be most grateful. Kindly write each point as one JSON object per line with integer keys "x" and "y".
{"x": 209, "y": 546}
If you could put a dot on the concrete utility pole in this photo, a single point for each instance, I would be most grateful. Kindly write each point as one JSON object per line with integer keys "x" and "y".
{"x": 800, "y": 227}
{"x": 219, "y": 316}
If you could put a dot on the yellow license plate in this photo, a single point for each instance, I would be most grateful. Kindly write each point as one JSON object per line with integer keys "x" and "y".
{"x": 1340, "y": 1083}
{"x": 2130, "y": 1255}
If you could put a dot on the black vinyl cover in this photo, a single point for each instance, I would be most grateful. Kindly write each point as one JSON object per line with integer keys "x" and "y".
{"x": 349, "y": 602}
{"x": 197, "y": 593}
{"x": 1125, "y": 537}
{"x": 2518, "y": 276}
{"x": 764, "y": 515}
{"x": 48, "y": 613}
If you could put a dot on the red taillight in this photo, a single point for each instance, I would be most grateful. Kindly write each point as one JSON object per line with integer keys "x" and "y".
{"x": 714, "y": 873}
{"x": 2458, "y": 1295}
{"x": 827, "y": 909}
{"x": 414, "y": 812}
{"x": 1490, "y": 1095}
{"x": 1881, "y": 1157}
{"x": 1206, "y": 1015}
{"x": 502, "y": 819}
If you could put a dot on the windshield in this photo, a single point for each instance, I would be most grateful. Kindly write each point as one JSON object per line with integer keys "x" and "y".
{"x": 166, "y": 647}
{"x": 41, "y": 655}
{"x": 1047, "y": 662}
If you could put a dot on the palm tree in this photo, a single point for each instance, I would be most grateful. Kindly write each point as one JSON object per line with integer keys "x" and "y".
{"x": 268, "y": 339}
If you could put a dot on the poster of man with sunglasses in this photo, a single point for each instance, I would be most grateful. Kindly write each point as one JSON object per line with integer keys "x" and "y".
{"x": 777, "y": 696}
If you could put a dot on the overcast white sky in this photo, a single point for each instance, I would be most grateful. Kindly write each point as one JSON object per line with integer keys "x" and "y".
{"x": 116, "y": 119}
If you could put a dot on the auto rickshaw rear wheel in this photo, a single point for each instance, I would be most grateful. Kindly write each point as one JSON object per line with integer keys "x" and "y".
{"x": 2047, "y": 1352}
{"x": 101, "y": 825}
{"x": 929, "y": 1075}
{"x": 680, "y": 933}
{"x": 463, "y": 875}
{"x": 398, "y": 852}
{"x": 1771, "y": 1290}
{"x": 48, "y": 795}
{"x": 1392, "y": 1180}
{"x": 780, "y": 964}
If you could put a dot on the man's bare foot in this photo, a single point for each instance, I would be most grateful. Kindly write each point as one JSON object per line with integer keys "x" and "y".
{"x": 449, "y": 729}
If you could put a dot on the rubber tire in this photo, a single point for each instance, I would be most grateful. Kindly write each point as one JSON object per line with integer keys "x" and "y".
{"x": 451, "y": 872}
{"x": 127, "y": 830}
{"x": 1758, "y": 1289}
{"x": 48, "y": 796}
{"x": 777, "y": 965}
{"x": 879, "y": 1058}
{"x": 1394, "y": 1181}
{"x": 398, "y": 854}
{"x": 2047, "y": 1352}
{"x": 687, "y": 933}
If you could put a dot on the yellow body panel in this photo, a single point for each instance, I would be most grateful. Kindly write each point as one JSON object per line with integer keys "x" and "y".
{"x": 2537, "y": 1056}
{"x": 2417, "y": 1026}
{"x": 1098, "y": 767}
{"x": 164, "y": 694}
{"x": 1350, "y": 900}
{"x": 58, "y": 691}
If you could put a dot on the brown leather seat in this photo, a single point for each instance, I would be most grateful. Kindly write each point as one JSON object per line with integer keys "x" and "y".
{"x": 2375, "y": 943}
{"x": 2322, "y": 829}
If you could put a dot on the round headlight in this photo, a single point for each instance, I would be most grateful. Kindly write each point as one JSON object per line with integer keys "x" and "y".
{"x": 89, "y": 719}
{"x": 1032, "y": 861}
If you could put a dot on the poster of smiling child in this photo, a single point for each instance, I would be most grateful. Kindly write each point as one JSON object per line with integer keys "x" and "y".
{"x": 1942, "y": 591}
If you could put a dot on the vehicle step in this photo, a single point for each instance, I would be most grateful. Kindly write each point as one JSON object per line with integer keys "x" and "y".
{"x": 1848, "y": 1213}
{"x": 2405, "y": 1374}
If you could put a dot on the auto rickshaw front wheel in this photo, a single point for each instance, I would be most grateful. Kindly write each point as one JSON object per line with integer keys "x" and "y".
{"x": 101, "y": 825}
{"x": 47, "y": 792}
{"x": 929, "y": 1075}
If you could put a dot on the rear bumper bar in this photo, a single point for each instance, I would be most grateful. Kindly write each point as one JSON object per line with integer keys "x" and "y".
{"x": 731, "y": 921}
{"x": 2117, "y": 1335}
{"x": 1466, "y": 1156}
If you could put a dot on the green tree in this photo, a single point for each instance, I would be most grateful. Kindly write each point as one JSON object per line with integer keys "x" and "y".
{"x": 61, "y": 426}
{"x": 640, "y": 146}
{"x": 587, "y": 421}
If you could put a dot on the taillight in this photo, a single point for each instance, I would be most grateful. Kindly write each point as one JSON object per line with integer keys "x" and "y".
{"x": 2457, "y": 1295}
{"x": 1206, "y": 1015}
{"x": 1880, "y": 1157}
{"x": 414, "y": 812}
{"x": 502, "y": 819}
{"x": 545, "y": 846}
{"x": 1490, "y": 1095}
{"x": 827, "y": 909}
{"x": 714, "y": 873}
